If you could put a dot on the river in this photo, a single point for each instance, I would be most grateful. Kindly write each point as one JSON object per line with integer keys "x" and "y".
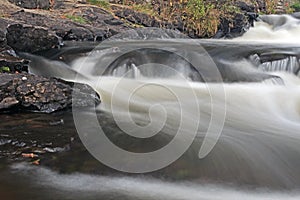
{"x": 179, "y": 119}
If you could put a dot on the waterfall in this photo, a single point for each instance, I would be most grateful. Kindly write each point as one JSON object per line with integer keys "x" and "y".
{"x": 289, "y": 64}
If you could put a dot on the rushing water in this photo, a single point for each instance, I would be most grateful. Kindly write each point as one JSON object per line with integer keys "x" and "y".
{"x": 248, "y": 86}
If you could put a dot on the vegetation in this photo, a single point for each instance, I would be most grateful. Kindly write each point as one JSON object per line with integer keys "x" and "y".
{"x": 4, "y": 69}
{"x": 296, "y": 6}
{"x": 201, "y": 16}
{"x": 101, "y": 3}
{"x": 204, "y": 16}
{"x": 271, "y": 6}
{"x": 77, "y": 19}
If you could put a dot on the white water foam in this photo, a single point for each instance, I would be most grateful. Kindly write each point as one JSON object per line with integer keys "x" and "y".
{"x": 85, "y": 186}
{"x": 274, "y": 29}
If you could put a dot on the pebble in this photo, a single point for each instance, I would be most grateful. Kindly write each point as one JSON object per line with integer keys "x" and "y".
{"x": 24, "y": 78}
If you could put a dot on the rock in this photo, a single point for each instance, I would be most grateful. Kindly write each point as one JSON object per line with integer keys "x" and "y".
{"x": 32, "y": 4}
{"x": 138, "y": 18}
{"x": 79, "y": 34}
{"x": 26, "y": 92}
{"x": 233, "y": 28}
{"x": 240, "y": 25}
{"x": 296, "y": 15}
{"x": 245, "y": 6}
{"x": 9, "y": 63}
{"x": 113, "y": 21}
{"x": 8, "y": 102}
{"x": 3, "y": 41}
{"x": 28, "y": 38}
{"x": 97, "y": 23}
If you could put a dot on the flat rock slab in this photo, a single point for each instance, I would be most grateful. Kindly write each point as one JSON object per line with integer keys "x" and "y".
{"x": 26, "y": 92}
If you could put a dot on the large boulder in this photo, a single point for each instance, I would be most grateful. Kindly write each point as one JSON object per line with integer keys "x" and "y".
{"x": 29, "y": 38}
{"x": 26, "y": 92}
{"x": 32, "y": 4}
{"x": 96, "y": 24}
{"x": 9, "y": 62}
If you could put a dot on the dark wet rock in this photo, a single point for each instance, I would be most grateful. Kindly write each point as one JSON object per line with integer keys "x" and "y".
{"x": 296, "y": 15}
{"x": 245, "y": 6}
{"x": 3, "y": 41}
{"x": 9, "y": 62}
{"x": 28, "y": 92}
{"x": 240, "y": 25}
{"x": 32, "y": 4}
{"x": 113, "y": 21}
{"x": 28, "y": 38}
{"x": 12, "y": 64}
{"x": 79, "y": 34}
{"x": 233, "y": 28}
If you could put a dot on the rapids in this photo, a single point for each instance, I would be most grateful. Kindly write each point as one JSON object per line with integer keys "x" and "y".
{"x": 230, "y": 110}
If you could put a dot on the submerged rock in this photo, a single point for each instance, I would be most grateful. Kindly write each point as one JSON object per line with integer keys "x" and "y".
{"x": 26, "y": 92}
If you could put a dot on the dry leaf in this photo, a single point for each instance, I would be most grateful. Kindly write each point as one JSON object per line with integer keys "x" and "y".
{"x": 29, "y": 155}
{"x": 36, "y": 162}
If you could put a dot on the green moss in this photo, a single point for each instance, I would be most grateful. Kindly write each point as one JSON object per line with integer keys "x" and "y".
{"x": 78, "y": 19}
{"x": 101, "y": 3}
{"x": 296, "y": 6}
{"x": 197, "y": 9}
{"x": 4, "y": 69}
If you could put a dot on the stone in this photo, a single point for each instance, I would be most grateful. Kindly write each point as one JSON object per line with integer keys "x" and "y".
{"x": 14, "y": 64}
{"x": 32, "y": 4}
{"x": 98, "y": 25}
{"x": 8, "y": 102}
{"x": 28, "y": 38}
{"x": 79, "y": 34}
{"x": 245, "y": 6}
{"x": 3, "y": 41}
{"x": 233, "y": 28}
{"x": 27, "y": 92}
{"x": 9, "y": 62}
